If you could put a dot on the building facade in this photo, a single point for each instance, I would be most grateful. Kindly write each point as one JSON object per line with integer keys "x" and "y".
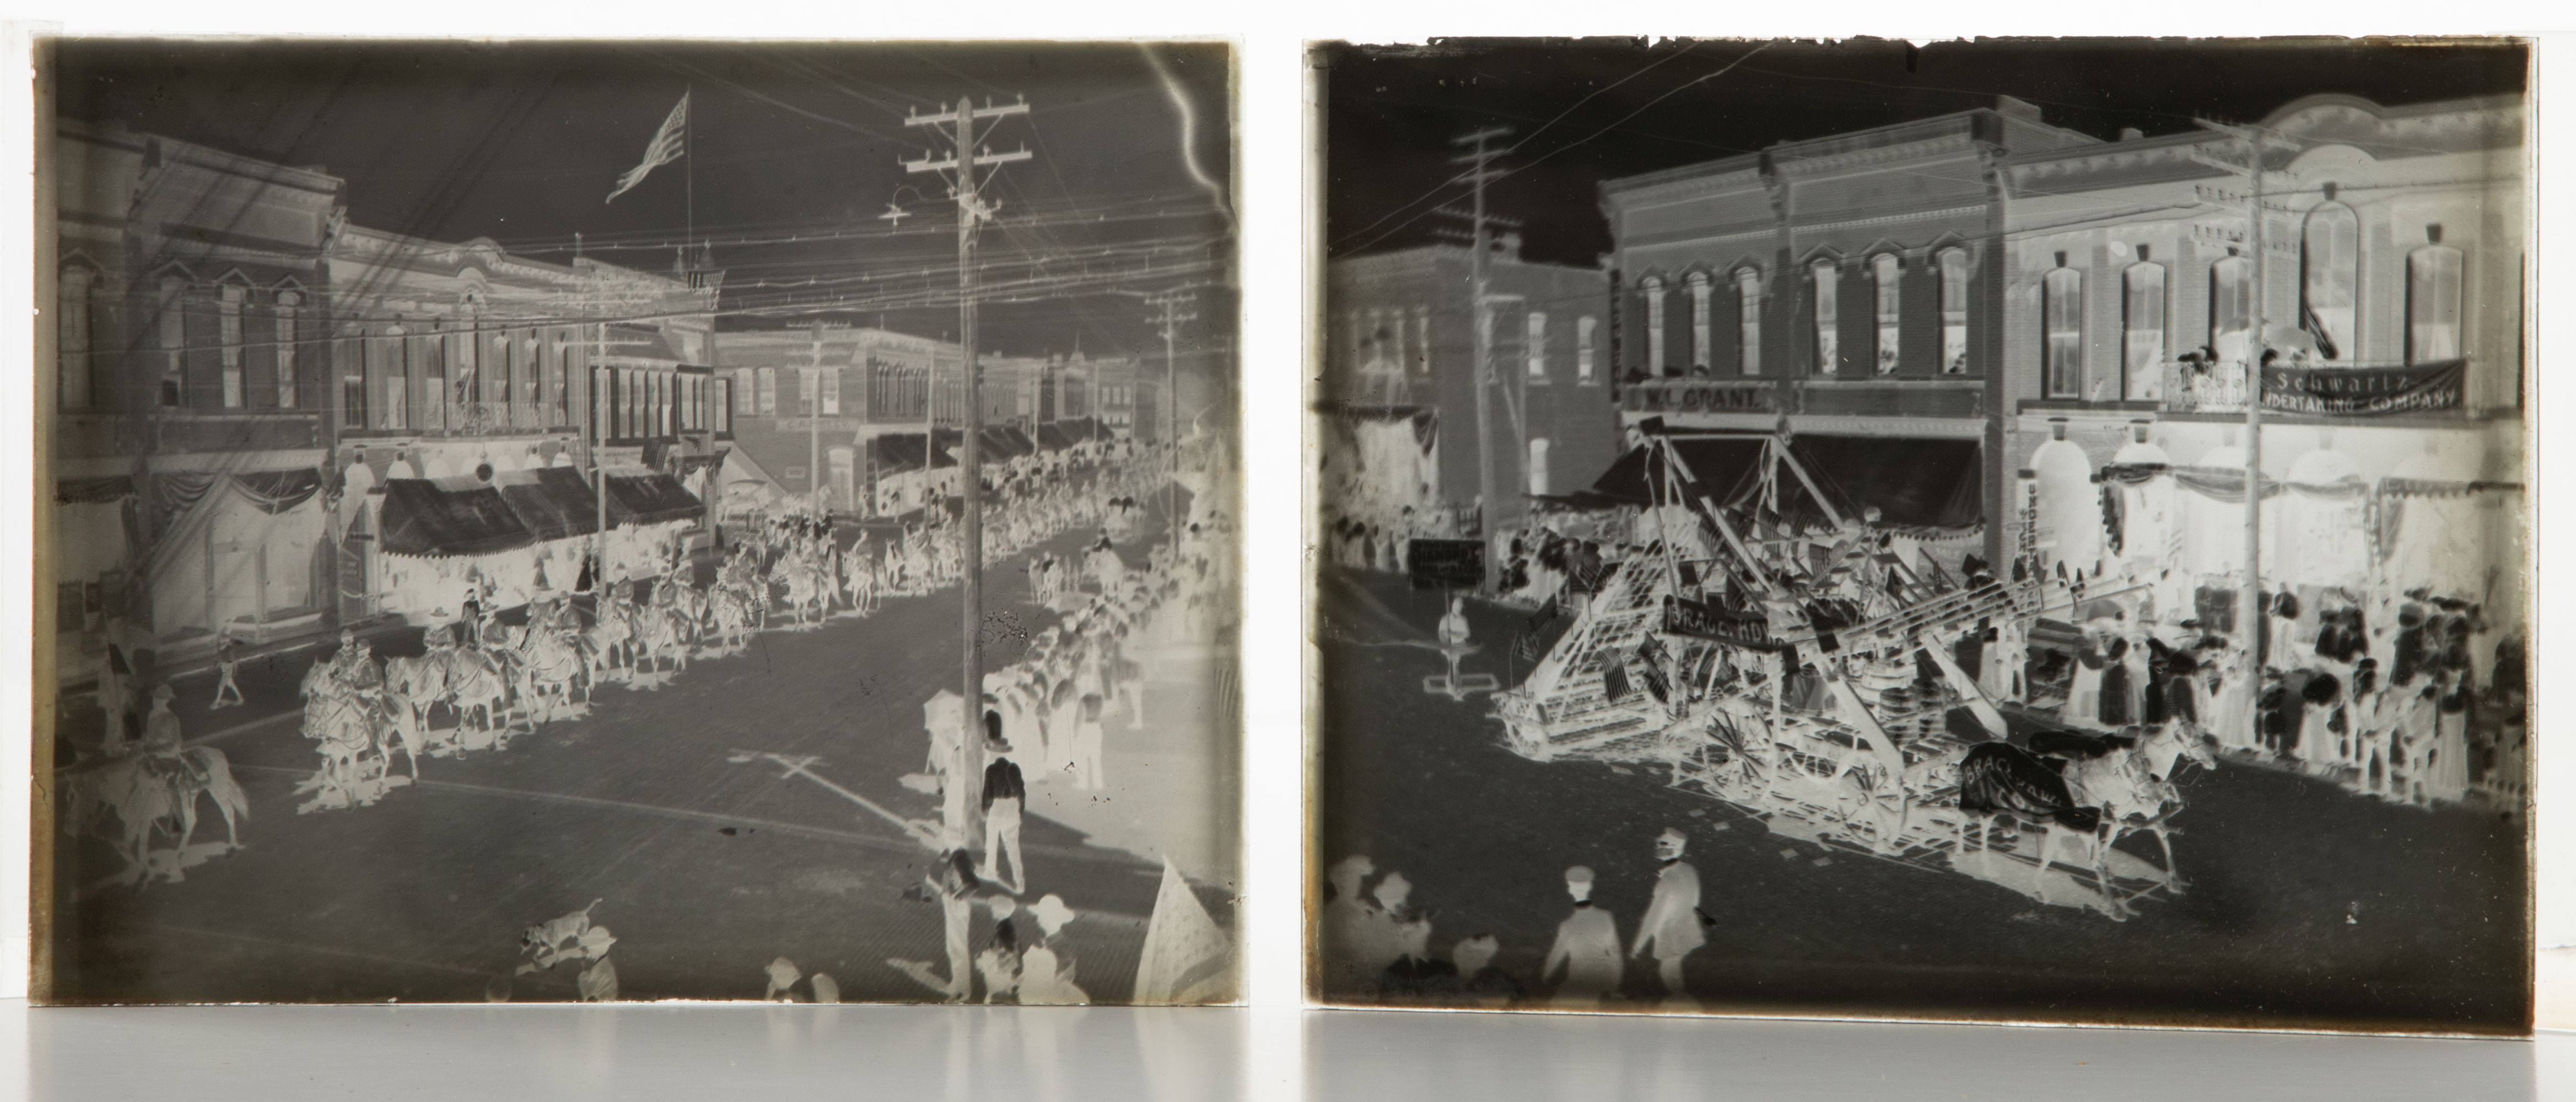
{"x": 2390, "y": 286}
{"x": 1847, "y": 287}
{"x": 239, "y": 374}
{"x": 1399, "y": 388}
{"x": 190, "y": 413}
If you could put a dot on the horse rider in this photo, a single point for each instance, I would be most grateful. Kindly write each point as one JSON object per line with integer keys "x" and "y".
{"x": 355, "y": 672}
{"x": 163, "y": 741}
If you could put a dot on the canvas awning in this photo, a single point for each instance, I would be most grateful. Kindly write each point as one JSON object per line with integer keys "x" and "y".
{"x": 458, "y": 515}
{"x": 93, "y": 491}
{"x": 1913, "y": 483}
{"x": 554, "y": 502}
{"x": 1003, "y": 443}
{"x": 649, "y": 497}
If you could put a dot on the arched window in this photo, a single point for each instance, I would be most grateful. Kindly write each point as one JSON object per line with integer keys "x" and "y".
{"x": 2142, "y": 328}
{"x": 2061, "y": 295}
{"x": 72, "y": 340}
{"x": 1653, "y": 286}
{"x": 1534, "y": 342}
{"x": 2329, "y": 271}
{"x": 1823, "y": 277}
{"x": 1748, "y": 320}
{"x": 282, "y": 322}
{"x": 2231, "y": 309}
{"x": 1953, "y": 263}
{"x": 172, "y": 329}
{"x": 2432, "y": 304}
{"x": 831, "y": 392}
{"x": 766, "y": 391}
{"x": 1701, "y": 349}
{"x": 1888, "y": 288}
{"x": 229, "y": 327}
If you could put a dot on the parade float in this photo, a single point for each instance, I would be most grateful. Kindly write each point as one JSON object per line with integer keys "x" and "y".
{"x": 1776, "y": 652}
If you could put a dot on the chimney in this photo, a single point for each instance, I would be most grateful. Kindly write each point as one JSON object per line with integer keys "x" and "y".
{"x": 2131, "y": 133}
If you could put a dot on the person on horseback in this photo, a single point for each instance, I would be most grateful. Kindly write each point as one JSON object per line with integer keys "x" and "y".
{"x": 163, "y": 743}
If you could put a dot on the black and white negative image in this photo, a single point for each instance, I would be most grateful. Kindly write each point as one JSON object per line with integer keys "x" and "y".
{"x": 550, "y": 522}
{"x": 1797, "y": 532}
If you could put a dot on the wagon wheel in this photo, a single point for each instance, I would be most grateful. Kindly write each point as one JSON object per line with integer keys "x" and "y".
{"x": 1866, "y": 797}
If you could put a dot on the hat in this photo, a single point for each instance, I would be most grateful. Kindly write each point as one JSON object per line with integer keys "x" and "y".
{"x": 1579, "y": 874}
{"x": 164, "y": 692}
{"x": 1051, "y": 912}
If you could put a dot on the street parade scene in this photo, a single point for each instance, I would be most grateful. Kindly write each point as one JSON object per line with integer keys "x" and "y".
{"x": 455, "y": 604}
{"x": 1840, "y": 568}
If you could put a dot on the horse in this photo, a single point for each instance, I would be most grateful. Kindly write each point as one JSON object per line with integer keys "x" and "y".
{"x": 344, "y": 727}
{"x": 660, "y": 631}
{"x": 143, "y": 793}
{"x": 806, "y": 588}
{"x": 550, "y": 662}
{"x": 730, "y": 610}
{"x": 479, "y": 680}
{"x": 413, "y": 686}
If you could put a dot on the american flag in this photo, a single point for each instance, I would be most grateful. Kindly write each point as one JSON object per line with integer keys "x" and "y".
{"x": 668, "y": 144}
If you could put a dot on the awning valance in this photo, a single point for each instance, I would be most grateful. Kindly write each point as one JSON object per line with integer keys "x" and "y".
{"x": 93, "y": 491}
{"x": 649, "y": 497}
{"x": 554, "y": 502}
{"x": 449, "y": 516}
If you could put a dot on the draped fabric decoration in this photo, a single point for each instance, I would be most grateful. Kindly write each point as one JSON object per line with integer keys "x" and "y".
{"x": 279, "y": 491}
{"x": 1394, "y": 463}
{"x": 2114, "y": 516}
{"x": 176, "y": 492}
{"x": 2221, "y": 483}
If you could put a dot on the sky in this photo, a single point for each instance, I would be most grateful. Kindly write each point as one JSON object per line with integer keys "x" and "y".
{"x": 793, "y": 157}
{"x": 1585, "y": 111}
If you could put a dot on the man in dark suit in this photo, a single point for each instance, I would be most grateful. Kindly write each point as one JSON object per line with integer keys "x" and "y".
{"x": 1005, "y": 792}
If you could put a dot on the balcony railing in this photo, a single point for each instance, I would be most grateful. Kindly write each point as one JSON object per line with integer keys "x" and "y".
{"x": 2319, "y": 389}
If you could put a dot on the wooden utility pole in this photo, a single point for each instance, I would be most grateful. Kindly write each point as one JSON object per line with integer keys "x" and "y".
{"x": 2250, "y": 611}
{"x": 1489, "y": 504}
{"x": 957, "y": 125}
{"x": 1170, "y": 302}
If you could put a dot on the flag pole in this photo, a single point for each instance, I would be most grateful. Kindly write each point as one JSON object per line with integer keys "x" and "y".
{"x": 689, "y": 170}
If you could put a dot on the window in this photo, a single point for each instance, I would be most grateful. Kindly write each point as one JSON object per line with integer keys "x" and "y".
{"x": 2329, "y": 270}
{"x": 768, "y": 392}
{"x": 1748, "y": 320}
{"x": 282, "y": 323}
{"x": 1421, "y": 340}
{"x": 532, "y": 383}
{"x": 1537, "y": 347}
{"x": 1824, "y": 275}
{"x": 2231, "y": 309}
{"x": 352, "y": 354}
{"x": 172, "y": 329}
{"x": 1583, "y": 327}
{"x": 1538, "y": 474}
{"x": 71, "y": 329}
{"x": 559, "y": 383}
{"x": 1654, "y": 289}
{"x": 832, "y": 391}
{"x": 630, "y": 409}
{"x": 229, "y": 319}
{"x": 1953, "y": 263}
{"x": 2061, "y": 295}
{"x": 1700, "y": 346}
{"x": 1889, "y": 287}
{"x": 2142, "y": 328}
{"x": 395, "y": 377}
{"x": 723, "y": 405}
{"x": 806, "y": 380}
{"x": 467, "y": 387}
{"x": 430, "y": 374}
{"x": 2432, "y": 304}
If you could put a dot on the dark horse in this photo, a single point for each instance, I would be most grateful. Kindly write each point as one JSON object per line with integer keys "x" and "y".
{"x": 1999, "y": 777}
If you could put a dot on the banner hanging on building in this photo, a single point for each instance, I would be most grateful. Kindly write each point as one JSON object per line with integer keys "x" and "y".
{"x": 2366, "y": 391}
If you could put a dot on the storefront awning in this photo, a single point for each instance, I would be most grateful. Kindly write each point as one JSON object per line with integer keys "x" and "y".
{"x": 459, "y": 515}
{"x": 649, "y": 497}
{"x": 1725, "y": 467}
{"x": 93, "y": 491}
{"x": 1913, "y": 483}
{"x": 554, "y": 502}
